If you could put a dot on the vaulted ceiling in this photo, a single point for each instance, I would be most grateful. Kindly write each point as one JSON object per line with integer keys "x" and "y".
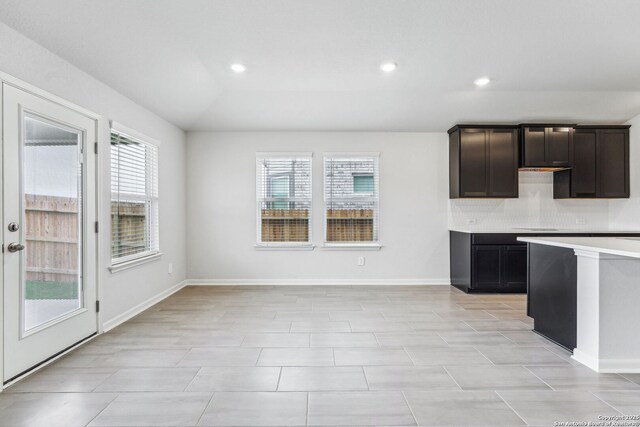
{"x": 314, "y": 64}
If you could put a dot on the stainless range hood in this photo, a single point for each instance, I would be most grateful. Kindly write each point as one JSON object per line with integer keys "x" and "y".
{"x": 543, "y": 169}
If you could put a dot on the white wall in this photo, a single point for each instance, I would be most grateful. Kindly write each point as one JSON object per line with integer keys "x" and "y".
{"x": 413, "y": 208}
{"x": 26, "y": 60}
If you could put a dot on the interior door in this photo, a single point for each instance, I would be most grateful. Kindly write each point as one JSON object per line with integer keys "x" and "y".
{"x": 49, "y": 245}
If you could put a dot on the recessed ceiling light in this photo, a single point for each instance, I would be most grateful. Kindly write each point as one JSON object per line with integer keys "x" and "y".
{"x": 388, "y": 67}
{"x": 238, "y": 68}
{"x": 482, "y": 81}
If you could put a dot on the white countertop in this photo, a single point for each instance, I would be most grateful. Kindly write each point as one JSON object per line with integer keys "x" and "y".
{"x": 626, "y": 247}
{"x": 540, "y": 230}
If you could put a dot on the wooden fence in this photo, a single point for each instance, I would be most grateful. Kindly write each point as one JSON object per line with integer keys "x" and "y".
{"x": 343, "y": 225}
{"x": 51, "y": 234}
{"x": 350, "y": 225}
{"x": 285, "y": 225}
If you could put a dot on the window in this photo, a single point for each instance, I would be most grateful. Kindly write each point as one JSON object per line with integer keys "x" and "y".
{"x": 363, "y": 183}
{"x": 283, "y": 196}
{"x": 351, "y": 199}
{"x": 134, "y": 198}
{"x": 279, "y": 189}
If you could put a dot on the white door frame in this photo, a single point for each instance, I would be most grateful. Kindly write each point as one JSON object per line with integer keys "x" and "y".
{"x": 100, "y": 123}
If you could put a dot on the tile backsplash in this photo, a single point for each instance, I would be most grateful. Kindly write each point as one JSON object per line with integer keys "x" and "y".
{"x": 535, "y": 207}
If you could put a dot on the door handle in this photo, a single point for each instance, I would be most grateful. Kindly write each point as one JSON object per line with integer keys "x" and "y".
{"x": 15, "y": 247}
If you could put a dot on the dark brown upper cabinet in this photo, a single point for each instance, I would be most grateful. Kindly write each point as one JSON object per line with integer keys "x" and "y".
{"x": 483, "y": 161}
{"x": 545, "y": 146}
{"x": 600, "y": 164}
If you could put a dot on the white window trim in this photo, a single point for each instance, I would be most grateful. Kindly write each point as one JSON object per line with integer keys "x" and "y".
{"x": 131, "y": 261}
{"x": 350, "y": 246}
{"x": 285, "y": 246}
{"x": 336, "y": 246}
{"x": 124, "y": 264}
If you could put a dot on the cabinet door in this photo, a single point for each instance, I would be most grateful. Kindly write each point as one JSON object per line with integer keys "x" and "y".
{"x": 534, "y": 146}
{"x": 487, "y": 267}
{"x": 473, "y": 163}
{"x": 503, "y": 163}
{"x": 514, "y": 265}
{"x": 583, "y": 174}
{"x": 613, "y": 163}
{"x": 558, "y": 146}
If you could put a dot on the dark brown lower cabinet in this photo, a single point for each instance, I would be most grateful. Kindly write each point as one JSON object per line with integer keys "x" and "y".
{"x": 487, "y": 265}
{"x": 499, "y": 268}
{"x": 497, "y": 262}
{"x": 488, "y": 262}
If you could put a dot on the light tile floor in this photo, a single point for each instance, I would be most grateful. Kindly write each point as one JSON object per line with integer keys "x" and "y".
{"x": 320, "y": 356}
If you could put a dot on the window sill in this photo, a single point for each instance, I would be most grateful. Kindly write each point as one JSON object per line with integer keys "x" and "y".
{"x": 134, "y": 262}
{"x": 284, "y": 247}
{"x": 352, "y": 246}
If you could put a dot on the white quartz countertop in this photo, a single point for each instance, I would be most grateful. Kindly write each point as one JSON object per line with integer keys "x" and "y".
{"x": 541, "y": 230}
{"x": 621, "y": 246}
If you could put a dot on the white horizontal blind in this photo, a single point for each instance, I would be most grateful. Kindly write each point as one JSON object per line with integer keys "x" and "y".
{"x": 351, "y": 183}
{"x": 283, "y": 196}
{"x": 134, "y": 198}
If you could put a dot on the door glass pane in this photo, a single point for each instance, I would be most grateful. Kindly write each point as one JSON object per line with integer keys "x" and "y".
{"x": 52, "y": 225}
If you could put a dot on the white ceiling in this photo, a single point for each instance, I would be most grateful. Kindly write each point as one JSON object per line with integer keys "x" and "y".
{"x": 314, "y": 64}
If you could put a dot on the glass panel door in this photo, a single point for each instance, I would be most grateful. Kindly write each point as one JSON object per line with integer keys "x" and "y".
{"x": 52, "y": 204}
{"x": 48, "y": 212}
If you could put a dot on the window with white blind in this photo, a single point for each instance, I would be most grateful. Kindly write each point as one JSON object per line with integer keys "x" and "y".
{"x": 283, "y": 199}
{"x": 134, "y": 198}
{"x": 351, "y": 199}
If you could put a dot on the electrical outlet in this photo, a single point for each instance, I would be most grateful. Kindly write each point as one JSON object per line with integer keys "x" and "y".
{"x": 471, "y": 221}
{"x": 361, "y": 261}
{"x": 580, "y": 221}
{"x": 170, "y": 269}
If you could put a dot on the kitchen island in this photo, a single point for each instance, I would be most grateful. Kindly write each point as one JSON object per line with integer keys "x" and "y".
{"x": 599, "y": 277}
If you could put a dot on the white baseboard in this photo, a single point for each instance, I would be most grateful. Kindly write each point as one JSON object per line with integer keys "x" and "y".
{"x": 134, "y": 311}
{"x": 325, "y": 282}
{"x": 608, "y": 366}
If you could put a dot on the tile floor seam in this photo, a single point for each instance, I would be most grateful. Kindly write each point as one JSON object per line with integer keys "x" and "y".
{"x": 483, "y": 355}
{"x": 193, "y": 379}
{"x": 205, "y": 408}
{"x": 495, "y": 317}
{"x": 406, "y": 401}
{"x": 103, "y": 409}
{"x": 451, "y": 376}
{"x": 511, "y": 407}
{"x": 467, "y": 323}
{"x": 306, "y": 416}
{"x": 105, "y": 380}
{"x": 366, "y": 380}
{"x": 604, "y": 401}
{"x": 279, "y": 378}
{"x": 538, "y": 377}
{"x": 375, "y": 336}
{"x": 259, "y": 356}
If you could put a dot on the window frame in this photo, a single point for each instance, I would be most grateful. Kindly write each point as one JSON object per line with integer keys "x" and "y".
{"x": 153, "y": 209}
{"x": 373, "y": 245}
{"x": 260, "y": 245}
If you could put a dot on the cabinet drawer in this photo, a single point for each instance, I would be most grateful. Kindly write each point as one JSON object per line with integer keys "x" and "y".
{"x": 496, "y": 239}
